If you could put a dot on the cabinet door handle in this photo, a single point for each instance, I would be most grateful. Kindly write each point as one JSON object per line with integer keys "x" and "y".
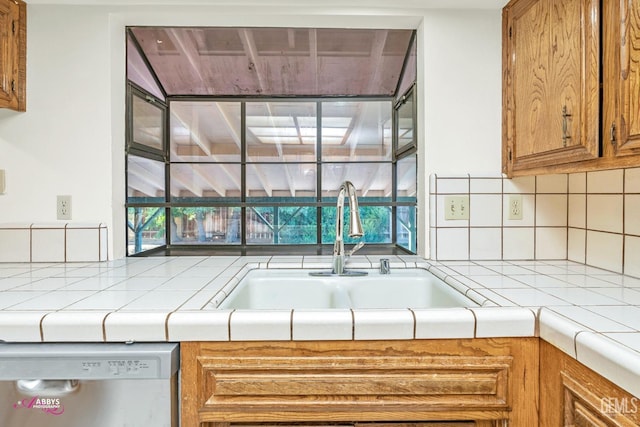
{"x": 612, "y": 134}
{"x": 565, "y": 135}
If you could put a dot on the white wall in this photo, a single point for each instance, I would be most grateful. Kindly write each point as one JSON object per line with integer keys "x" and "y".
{"x": 71, "y": 139}
{"x": 463, "y": 87}
{"x": 62, "y": 144}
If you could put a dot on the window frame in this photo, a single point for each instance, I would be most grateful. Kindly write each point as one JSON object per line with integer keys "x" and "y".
{"x": 245, "y": 203}
{"x": 163, "y": 155}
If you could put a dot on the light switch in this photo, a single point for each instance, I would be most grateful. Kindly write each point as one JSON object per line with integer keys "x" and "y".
{"x": 456, "y": 207}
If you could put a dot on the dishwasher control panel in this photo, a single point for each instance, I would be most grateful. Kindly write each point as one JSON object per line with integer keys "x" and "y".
{"x": 82, "y": 368}
{"x": 121, "y": 368}
{"x": 90, "y": 361}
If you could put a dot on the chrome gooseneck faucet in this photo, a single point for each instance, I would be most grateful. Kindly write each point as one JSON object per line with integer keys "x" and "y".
{"x": 355, "y": 226}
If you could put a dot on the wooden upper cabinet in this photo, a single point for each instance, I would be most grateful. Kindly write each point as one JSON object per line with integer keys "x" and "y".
{"x": 551, "y": 94}
{"x": 13, "y": 56}
{"x": 621, "y": 85}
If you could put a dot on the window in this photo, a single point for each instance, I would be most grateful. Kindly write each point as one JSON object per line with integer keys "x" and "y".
{"x": 238, "y": 173}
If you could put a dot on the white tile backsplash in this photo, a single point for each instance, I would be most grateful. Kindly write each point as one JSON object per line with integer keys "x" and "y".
{"x": 485, "y": 185}
{"x": 632, "y": 214}
{"x": 576, "y": 241}
{"x": 578, "y": 183}
{"x": 632, "y": 180}
{"x": 485, "y": 210}
{"x": 604, "y": 250}
{"x": 552, "y": 183}
{"x": 452, "y": 185}
{"x": 604, "y": 212}
{"x": 577, "y": 210}
{"x": 551, "y": 210}
{"x": 15, "y": 245}
{"x": 47, "y": 244}
{"x": 551, "y": 243}
{"x": 609, "y": 181}
{"x": 632, "y": 256}
{"x": 586, "y": 217}
{"x": 453, "y": 243}
{"x": 520, "y": 185}
{"x": 86, "y": 243}
{"x": 54, "y": 242}
{"x": 484, "y": 243}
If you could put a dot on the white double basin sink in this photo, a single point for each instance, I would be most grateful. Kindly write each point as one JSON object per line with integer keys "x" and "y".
{"x": 269, "y": 289}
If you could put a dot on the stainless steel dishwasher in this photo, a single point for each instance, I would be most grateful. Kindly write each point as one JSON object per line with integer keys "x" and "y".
{"x": 89, "y": 385}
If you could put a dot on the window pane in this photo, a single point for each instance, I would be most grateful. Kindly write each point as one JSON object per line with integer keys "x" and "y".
{"x": 205, "y": 226}
{"x": 205, "y": 181}
{"x": 406, "y": 227}
{"x": 407, "y": 178}
{"x": 290, "y": 180}
{"x": 147, "y": 123}
{"x": 138, "y": 72}
{"x": 376, "y": 224}
{"x": 406, "y": 125}
{"x": 281, "y": 131}
{"x": 409, "y": 76}
{"x": 145, "y": 180}
{"x": 281, "y": 225}
{"x": 205, "y": 131}
{"x": 356, "y": 131}
{"x": 145, "y": 229}
{"x": 372, "y": 180}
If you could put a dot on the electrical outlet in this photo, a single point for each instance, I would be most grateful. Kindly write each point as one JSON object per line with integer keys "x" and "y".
{"x": 64, "y": 207}
{"x": 456, "y": 207}
{"x": 515, "y": 206}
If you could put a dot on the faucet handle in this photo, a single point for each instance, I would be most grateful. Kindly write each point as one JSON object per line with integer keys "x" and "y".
{"x": 355, "y": 248}
{"x": 385, "y": 267}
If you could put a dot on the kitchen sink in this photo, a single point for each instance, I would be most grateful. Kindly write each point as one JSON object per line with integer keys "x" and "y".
{"x": 264, "y": 289}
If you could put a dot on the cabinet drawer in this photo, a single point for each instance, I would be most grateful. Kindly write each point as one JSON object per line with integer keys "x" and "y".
{"x": 457, "y": 382}
{"x": 248, "y": 387}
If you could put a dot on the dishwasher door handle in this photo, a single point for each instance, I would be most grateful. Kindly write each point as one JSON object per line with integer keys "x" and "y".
{"x": 47, "y": 388}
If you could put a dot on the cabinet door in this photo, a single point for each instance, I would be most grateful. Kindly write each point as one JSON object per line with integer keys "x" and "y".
{"x": 622, "y": 78}
{"x": 551, "y": 90}
{"x": 573, "y": 395}
{"x": 8, "y": 52}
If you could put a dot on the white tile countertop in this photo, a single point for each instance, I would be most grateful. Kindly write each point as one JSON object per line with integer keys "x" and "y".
{"x": 589, "y": 313}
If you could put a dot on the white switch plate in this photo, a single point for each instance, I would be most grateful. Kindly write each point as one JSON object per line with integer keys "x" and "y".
{"x": 3, "y": 182}
{"x": 515, "y": 206}
{"x": 456, "y": 207}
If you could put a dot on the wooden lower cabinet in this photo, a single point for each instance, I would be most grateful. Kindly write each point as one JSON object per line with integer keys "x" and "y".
{"x": 378, "y": 424}
{"x": 417, "y": 383}
{"x": 573, "y": 395}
